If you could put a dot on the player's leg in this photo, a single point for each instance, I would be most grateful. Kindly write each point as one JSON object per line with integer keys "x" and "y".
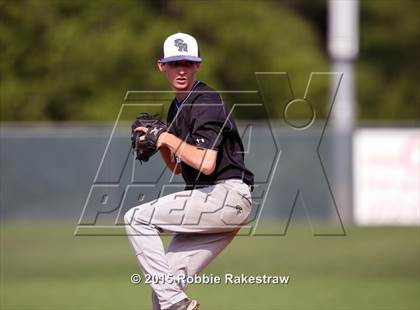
{"x": 189, "y": 254}
{"x": 149, "y": 251}
{"x": 222, "y": 207}
{"x": 214, "y": 209}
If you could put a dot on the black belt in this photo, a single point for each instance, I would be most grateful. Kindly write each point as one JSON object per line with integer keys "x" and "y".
{"x": 198, "y": 186}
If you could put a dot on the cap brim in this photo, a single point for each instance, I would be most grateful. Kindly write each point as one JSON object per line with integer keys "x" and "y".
{"x": 178, "y": 58}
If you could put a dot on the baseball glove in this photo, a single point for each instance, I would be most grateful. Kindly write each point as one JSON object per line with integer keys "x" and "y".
{"x": 146, "y": 148}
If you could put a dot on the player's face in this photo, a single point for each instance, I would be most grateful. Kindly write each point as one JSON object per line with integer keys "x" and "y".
{"x": 181, "y": 74}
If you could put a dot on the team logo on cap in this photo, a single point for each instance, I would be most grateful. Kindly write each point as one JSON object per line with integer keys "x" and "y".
{"x": 182, "y": 47}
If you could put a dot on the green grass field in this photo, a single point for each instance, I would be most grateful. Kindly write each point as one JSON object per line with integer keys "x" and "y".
{"x": 46, "y": 267}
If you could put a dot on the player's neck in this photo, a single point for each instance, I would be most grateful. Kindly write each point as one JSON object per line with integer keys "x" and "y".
{"x": 181, "y": 95}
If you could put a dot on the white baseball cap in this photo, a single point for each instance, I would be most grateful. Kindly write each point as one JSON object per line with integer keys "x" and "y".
{"x": 180, "y": 46}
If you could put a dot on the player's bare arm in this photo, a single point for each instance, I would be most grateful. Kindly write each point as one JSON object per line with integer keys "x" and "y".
{"x": 201, "y": 159}
{"x": 169, "y": 158}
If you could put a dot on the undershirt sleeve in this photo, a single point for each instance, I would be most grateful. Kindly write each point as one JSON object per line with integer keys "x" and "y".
{"x": 209, "y": 121}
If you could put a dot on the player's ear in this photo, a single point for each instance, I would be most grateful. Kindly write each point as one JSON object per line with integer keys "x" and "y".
{"x": 161, "y": 66}
{"x": 197, "y": 65}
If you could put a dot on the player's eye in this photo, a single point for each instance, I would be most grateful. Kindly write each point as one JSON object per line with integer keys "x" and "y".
{"x": 183, "y": 63}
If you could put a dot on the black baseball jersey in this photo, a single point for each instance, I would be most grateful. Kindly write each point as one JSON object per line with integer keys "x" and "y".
{"x": 202, "y": 119}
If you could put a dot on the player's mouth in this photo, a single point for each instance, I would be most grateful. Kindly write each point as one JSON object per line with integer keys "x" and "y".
{"x": 181, "y": 80}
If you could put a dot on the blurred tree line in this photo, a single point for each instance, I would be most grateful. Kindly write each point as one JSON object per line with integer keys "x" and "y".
{"x": 75, "y": 60}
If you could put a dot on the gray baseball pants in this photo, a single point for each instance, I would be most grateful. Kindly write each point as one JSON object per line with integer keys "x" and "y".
{"x": 205, "y": 221}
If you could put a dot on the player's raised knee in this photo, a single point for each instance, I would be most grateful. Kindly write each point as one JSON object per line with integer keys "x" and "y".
{"x": 129, "y": 215}
{"x": 140, "y": 215}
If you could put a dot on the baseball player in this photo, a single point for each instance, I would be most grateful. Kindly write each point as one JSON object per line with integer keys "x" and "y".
{"x": 202, "y": 142}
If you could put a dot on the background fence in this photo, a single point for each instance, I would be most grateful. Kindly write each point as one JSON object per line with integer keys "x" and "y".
{"x": 47, "y": 171}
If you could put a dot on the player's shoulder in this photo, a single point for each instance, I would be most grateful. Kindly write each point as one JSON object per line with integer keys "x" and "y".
{"x": 204, "y": 94}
